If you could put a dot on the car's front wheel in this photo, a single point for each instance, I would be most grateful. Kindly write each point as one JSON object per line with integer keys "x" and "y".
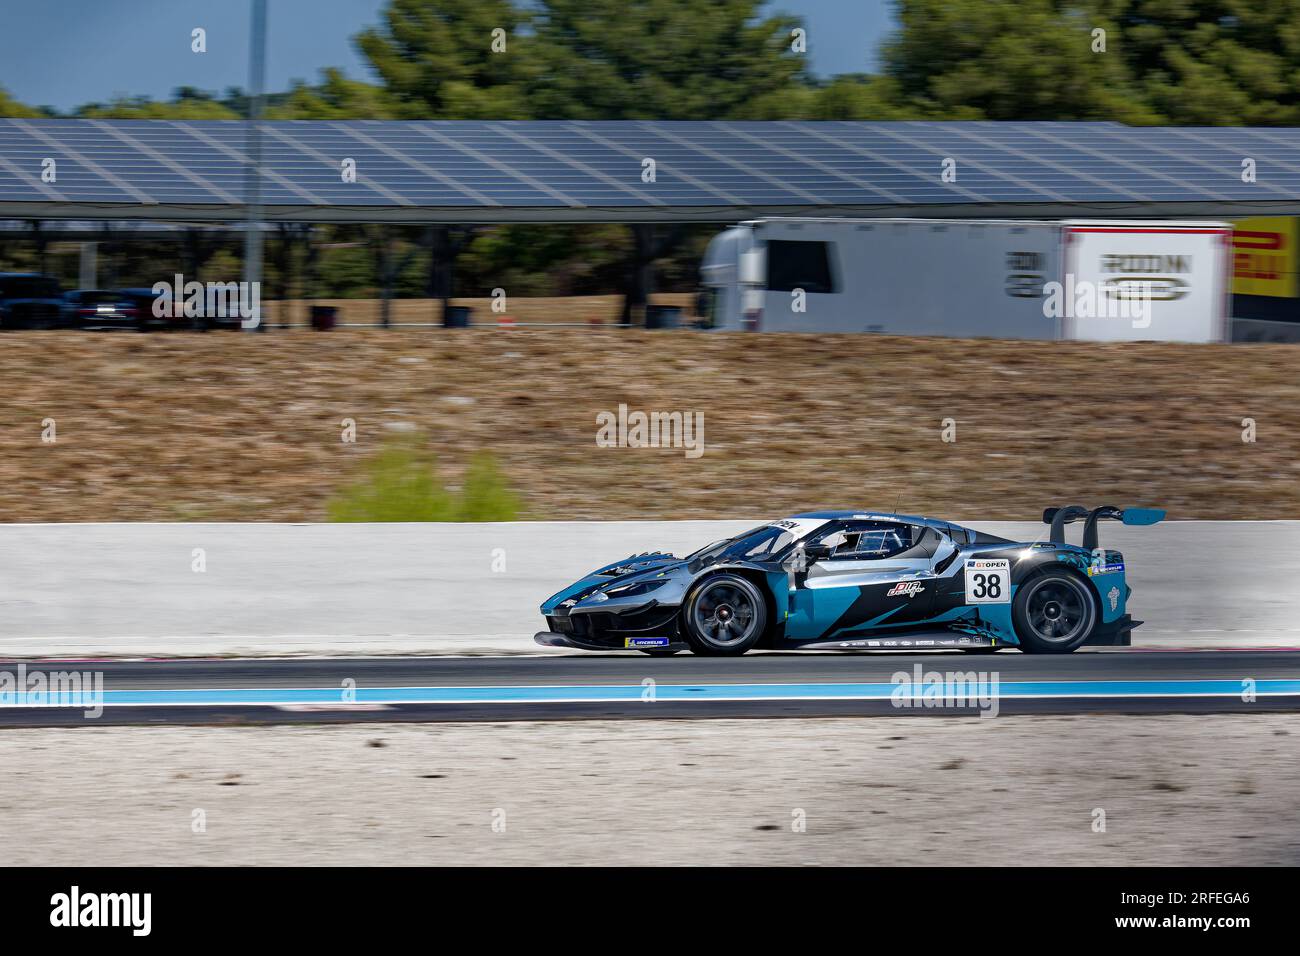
{"x": 1054, "y": 613}
{"x": 724, "y": 616}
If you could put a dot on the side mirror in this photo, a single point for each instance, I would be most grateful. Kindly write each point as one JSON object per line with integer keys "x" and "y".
{"x": 816, "y": 552}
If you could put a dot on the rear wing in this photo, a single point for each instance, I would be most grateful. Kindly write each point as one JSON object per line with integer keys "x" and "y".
{"x": 1058, "y": 518}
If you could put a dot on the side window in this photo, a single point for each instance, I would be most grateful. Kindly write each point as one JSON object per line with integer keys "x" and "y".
{"x": 885, "y": 540}
{"x": 842, "y": 542}
{"x": 799, "y": 264}
{"x": 871, "y": 540}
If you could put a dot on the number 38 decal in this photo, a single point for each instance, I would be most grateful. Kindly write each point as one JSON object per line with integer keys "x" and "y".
{"x": 988, "y": 581}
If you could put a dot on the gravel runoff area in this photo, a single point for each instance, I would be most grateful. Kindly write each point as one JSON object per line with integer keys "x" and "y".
{"x": 230, "y": 427}
{"x": 1175, "y": 790}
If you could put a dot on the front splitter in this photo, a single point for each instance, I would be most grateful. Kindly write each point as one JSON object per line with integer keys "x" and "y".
{"x": 554, "y": 639}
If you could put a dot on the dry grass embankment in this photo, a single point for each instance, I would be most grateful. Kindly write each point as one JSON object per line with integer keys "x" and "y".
{"x": 247, "y": 427}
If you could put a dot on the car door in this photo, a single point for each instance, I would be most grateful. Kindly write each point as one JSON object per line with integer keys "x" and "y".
{"x": 877, "y": 574}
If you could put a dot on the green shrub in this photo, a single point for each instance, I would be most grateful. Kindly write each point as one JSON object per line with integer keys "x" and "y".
{"x": 401, "y": 483}
{"x": 484, "y": 494}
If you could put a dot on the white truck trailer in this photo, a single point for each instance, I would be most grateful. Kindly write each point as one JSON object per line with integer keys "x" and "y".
{"x": 1076, "y": 279}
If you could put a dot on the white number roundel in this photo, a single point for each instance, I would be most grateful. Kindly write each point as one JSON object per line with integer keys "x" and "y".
{"x": 988, "y": 581}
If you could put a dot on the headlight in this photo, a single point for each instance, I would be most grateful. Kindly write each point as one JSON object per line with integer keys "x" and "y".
{"x": 638, "y": 587}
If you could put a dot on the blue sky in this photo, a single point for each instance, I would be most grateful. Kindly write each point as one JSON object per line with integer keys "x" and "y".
{"x": 63, "y": 53}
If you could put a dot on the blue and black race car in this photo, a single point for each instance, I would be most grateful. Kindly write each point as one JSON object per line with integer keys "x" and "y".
{"x": 846, "y": 580}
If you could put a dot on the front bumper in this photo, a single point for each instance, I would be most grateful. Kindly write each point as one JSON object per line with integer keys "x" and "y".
{"x": 608, "y": 628}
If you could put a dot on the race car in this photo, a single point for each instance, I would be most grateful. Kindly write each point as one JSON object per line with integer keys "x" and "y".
{"x": 848, "y": 580}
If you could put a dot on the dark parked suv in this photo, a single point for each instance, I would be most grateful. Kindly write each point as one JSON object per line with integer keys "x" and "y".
{"x": 30, "y": 301}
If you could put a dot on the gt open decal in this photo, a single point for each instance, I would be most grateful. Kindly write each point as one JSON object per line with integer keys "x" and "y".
{"x": 988, "y": 581}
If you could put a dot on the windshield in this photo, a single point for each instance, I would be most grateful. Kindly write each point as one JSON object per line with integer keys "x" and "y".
{"x": 760, "y": 544}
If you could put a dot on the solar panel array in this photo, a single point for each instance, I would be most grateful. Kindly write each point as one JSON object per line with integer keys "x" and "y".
{"x": 510, "y": 170}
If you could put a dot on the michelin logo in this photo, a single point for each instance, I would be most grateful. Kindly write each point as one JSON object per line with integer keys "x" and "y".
{"x": 645, "y": 642}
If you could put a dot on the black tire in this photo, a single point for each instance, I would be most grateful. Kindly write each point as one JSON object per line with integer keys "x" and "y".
{"x": 1054, "y": 613}
{"x": 724, "y": 616}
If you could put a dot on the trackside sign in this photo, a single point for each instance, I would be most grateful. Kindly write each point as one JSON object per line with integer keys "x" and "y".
{"x": 1264, "y": 256}
{"x": 1173, "y": 277}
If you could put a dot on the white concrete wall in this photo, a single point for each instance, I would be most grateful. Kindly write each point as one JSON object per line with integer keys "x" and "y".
{"x": 128, "y": 589}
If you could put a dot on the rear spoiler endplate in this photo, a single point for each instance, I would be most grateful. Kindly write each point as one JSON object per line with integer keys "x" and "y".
{"x": 1058, "y": 518}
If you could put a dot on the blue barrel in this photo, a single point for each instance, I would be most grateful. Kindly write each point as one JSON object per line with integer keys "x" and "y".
{"x": 457, "y": 317}
{"x": 663, "y": 316}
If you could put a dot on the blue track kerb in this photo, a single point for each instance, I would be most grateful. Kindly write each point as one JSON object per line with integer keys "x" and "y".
{"x": 614, "y": 693}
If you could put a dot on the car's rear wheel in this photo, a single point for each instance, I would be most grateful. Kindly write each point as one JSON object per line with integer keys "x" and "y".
{"x": 1054, "y": 613}
{"x": 724, "y": 616}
